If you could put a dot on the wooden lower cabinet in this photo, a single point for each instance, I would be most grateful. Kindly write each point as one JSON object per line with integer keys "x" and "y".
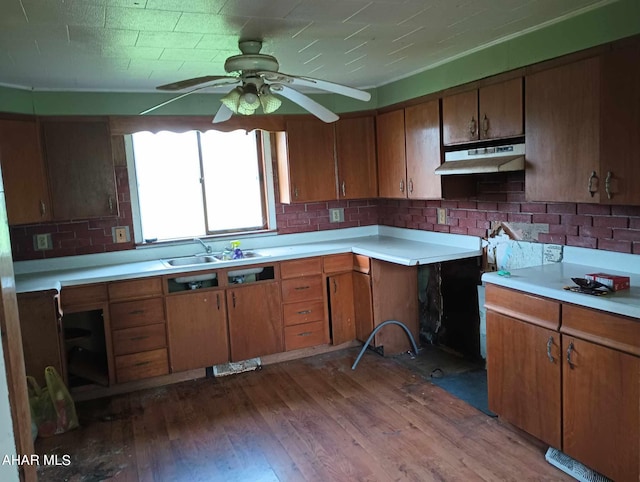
{"x": 197, "y": 325}
{"x": 601, "y": 401}
{"x": 255, "y": 320}
{"x": 343, "y": 327}
{"x": 523, "y": 371}
{"x": 40, "y": 327}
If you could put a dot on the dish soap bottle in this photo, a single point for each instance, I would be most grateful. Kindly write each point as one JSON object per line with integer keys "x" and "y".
{"x": 236, "y": 251}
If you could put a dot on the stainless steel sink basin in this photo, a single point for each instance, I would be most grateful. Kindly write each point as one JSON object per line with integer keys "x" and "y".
{"x": 190, "y": 261}
{"x": 245, "y": 255}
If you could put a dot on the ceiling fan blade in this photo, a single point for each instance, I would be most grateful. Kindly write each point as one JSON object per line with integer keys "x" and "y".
{"x": 318, "y": 84}
{"x": 307, "y": 103}
{"x": 223, "y": 114}
{"x": 183, "y": 84}
{"x": 173, "y": 99}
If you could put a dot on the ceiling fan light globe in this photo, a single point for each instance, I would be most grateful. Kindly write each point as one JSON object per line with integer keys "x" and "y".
{"x": 270, "y": 103}
{"x": 232, "y": 99}
{"x": 246, "y": 110}
{"x": 249, "y": 100}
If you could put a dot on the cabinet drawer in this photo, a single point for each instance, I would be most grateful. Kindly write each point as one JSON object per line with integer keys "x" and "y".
{"x": 300, "y": 289}
{"x": 338, "y": 263}
{"x": 142, "y": 365}
{"x": 83, "y": 295}
{"x": 140, "y": 338}
{"x": 300, "y": 267}
{"x": 361, "y": 263}
{"x": 136, "y": 313}
{"x": 139, "y": 288}
{"x": 306, "y": 335}
{"x": 523, "y": 306}
{"x": 303, "y": 312}
{"x": 606, "y": 329}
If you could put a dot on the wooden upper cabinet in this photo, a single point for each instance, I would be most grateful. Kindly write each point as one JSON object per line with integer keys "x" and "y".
{"x": 306, "y": 161}
{"x": 356, "y": 157}
{"x": 80, "y": 168}
{"x": 562, "y": 133}
{"x": 460, "y": 118}
{"x": 620, "y": 109}
{"x": 24, "y": 172}
{"x": 491, "y": 112}
{"x": 392, "y": 171}
{"x": 423, "y": 153}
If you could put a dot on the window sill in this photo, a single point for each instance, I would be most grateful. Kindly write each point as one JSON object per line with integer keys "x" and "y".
{"x": 218, "y": 237}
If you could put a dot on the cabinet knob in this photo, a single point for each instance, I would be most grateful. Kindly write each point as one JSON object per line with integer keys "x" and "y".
{"x": 593, "y": 179}
{"x": 607, "y": 184}
{"x": 473, "y": 125}
{"x": 549, "y": 345}
{"x": 401, "y": 185}
{"x": 569, "y": 351}
{"x": 485, "y": 126}
{"x": 410, "y": 185}
{"x": 295, "y": 192}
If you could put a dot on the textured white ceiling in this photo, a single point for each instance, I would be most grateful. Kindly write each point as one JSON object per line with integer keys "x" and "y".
{"x": 135, "y": 45}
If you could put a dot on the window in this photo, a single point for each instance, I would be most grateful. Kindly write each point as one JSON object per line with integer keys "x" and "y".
{"x": 197, "y": 184}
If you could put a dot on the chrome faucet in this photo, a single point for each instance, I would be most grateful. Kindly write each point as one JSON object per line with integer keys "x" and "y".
{"x": 208, "y": 249}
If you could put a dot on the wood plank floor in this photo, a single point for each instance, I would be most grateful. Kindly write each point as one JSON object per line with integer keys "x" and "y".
{"x": 307, "y": 420}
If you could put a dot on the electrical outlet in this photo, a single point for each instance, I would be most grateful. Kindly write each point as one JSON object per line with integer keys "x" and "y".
{"x": 120, "y": 234}
{"x": 336, "y": 215}
{"x": 442, "y": 215}
{"x": 42, "y": 242}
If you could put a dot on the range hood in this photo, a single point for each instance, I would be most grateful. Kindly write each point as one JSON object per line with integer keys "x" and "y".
{"x": 483, "y": 160}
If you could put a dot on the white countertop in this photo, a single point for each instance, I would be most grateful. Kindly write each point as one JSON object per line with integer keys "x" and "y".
{"x": 401, "y": 246}
{"x": 549, "y": 280}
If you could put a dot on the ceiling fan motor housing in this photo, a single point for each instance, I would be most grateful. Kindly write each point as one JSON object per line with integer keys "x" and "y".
{"x": 251, "y": 62}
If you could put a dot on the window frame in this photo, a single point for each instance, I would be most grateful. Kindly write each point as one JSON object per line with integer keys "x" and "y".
{"x": 267, "y": 193}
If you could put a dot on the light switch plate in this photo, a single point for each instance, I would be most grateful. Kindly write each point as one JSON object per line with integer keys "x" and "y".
{"x": 442, "y": 215}
{"x": 336, "y": 215}
{"x": 120, "y": 234}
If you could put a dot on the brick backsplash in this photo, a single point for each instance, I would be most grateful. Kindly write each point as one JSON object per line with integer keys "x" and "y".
{"x": 501, "y": 198}
{"x": 77, "y": 236}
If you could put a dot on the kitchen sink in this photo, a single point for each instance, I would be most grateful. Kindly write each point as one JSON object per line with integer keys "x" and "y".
{"x": 190, "y": 261}
{"x": 245, "y": 255}
{"x": 196, "y": 278}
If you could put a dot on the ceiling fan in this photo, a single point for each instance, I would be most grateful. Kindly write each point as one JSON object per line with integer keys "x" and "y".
{"x": 259, "y": 85}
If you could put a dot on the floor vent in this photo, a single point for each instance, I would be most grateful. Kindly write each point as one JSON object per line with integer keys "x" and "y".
{"x": 572, "y": 467}
{"x": 232, "y": 368}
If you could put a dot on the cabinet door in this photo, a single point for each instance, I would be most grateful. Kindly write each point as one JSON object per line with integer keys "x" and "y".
{"x": 39, "y": 323}
{"x": 395, "y": 297}
{"x": 197, "y": 325}
{"x": 255, "y": 320}
{"x": 343, "y": 326}
{"x": 23, "y": 173}
{"x": 600, "y": 408}
{"x": 363, "y": 308}
{"x": 422, "y": 131}
{"x": 356, "y": 156}
{"x": 620, "y": 125}
{"x": 392, "y": 170}
{"x": 563, "y": 132}
{"x": 460, "y": 118}
{"x": 523, "y": 376}
{"x": 500, "y": 113}
{"x": 80, "y": 169}
{"x": 311, "y": 160}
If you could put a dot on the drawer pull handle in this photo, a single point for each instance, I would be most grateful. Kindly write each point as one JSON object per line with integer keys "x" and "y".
{"x": 592, "y": 177}
{"x": 304, "y": 312}
{"x": 305, "y": 333}
{"x": 549, "y": 345}
{"x": 142, "y": 363}
{"x": 607, "y": 185}
{"x": 299, "y": 288}
{"x": 139, "y": 338}
{"x": 472, "y": 126}
{"x": 344, "y": 189}
{"x": 569, "y": 351}
{"x": 43, "y": 208}
{"x": 136, "y": 312}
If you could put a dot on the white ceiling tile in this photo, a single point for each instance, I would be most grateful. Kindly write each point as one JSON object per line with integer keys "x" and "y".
{"x": 12, "y": 14}
{"x": 178, "y": 40}
{"x": 100, "y": 35}
{"x": 137, "y": 19}
{"x": 203, "y": 55}
{"x": 261, "y": 9}
{"x": 141, "y": 64}
{"x": 327, "y": 10}
{"x": 192, "y": 6}
{"x": 71, "y": 13}
{"x": 219, "y": 42}
{"x": 146, "y": 53}
{"x": 212, "y": 24}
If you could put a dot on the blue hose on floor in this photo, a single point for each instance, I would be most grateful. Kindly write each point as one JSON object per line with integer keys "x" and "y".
{"x": 376, "y": 330}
